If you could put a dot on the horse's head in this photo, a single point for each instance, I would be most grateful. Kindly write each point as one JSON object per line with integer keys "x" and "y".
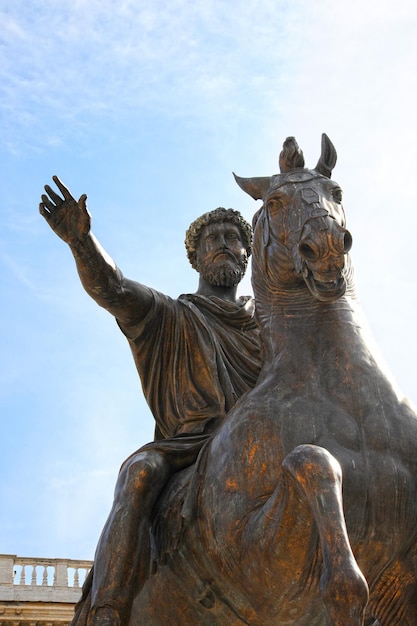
{"x": 300, "y": 232}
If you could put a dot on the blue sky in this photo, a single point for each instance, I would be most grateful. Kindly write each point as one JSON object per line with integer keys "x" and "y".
{"x": 148, "y": 107}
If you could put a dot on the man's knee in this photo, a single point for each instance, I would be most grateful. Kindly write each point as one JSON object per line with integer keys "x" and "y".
{"x": 144, "y": 472}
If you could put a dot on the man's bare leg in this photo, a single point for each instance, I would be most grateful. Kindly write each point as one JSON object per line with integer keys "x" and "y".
{"x": 122, "y": 560}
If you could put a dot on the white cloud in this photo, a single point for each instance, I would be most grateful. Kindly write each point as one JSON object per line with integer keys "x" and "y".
{"x": 80, "y": 60}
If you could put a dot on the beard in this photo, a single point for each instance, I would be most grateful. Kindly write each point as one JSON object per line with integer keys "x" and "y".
{"x": 223, "y": 274}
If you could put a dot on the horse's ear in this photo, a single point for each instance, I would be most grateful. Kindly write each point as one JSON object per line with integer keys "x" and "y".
{"x": 255, "y": 187}
{"x": 291, "y": 156}
{"x": 328, "y": 157}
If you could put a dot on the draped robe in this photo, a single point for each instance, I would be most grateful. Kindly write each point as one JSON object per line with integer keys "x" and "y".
{"x": 196, "y": 356}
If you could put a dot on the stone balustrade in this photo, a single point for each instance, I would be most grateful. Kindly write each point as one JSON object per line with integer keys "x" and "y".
{"x": 39, "y": 591}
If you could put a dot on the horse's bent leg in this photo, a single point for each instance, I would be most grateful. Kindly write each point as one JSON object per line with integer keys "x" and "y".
{"x": 343, "y": 588}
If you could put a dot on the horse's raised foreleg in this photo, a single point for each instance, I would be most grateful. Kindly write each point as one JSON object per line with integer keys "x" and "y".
{"x": 343, "y": 587}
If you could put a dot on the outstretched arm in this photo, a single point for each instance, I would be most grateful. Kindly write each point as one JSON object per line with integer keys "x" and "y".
{"x": 70, "y": 220}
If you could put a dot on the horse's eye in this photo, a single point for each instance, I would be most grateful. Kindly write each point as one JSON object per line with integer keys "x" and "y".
{"x": 274, "y": 205}
{"x": 337, "y": 194}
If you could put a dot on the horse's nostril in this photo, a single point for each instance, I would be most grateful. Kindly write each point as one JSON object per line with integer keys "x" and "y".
{"x": 307, "y": 251}
{"x": 347, "y": 241}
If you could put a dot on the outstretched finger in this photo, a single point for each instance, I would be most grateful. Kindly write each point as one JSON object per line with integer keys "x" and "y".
{"x": 47, "y": 203}
{"x": 64, "y": 190}
{"x": 53, "y": 195}
{"x": 44, "y": 211}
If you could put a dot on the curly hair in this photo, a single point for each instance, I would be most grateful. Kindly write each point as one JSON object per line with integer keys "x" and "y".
{"x": 220, "y": 214}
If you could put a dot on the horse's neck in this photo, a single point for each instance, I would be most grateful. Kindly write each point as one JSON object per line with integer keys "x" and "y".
{"x": 302, "y": 334}
{"x": 287, "y": 324}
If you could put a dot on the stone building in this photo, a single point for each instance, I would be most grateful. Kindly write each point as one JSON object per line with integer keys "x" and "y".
{"x": 39, "y": 592}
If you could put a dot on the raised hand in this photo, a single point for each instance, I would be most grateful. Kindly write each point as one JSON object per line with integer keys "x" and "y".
{"x": 68, "y": 217}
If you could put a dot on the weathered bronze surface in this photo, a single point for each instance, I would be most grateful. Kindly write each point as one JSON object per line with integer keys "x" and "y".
{"x": 255, "y": 532}
{"x": 266, "y": 542}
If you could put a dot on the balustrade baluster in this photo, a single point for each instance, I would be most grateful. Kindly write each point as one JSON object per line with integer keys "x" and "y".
{"x": 38, "y": 582}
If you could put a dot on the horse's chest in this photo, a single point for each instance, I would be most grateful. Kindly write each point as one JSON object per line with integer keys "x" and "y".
{"x": 372, "y": 435}
{"x": 304, "y": 413}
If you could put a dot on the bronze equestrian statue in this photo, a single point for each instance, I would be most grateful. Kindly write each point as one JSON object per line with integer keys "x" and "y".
{"x": 264, "y": 540}
{"x": 264, "y": 533}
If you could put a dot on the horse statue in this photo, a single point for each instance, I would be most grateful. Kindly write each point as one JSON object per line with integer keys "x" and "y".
{"x": 269, "y": 538}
